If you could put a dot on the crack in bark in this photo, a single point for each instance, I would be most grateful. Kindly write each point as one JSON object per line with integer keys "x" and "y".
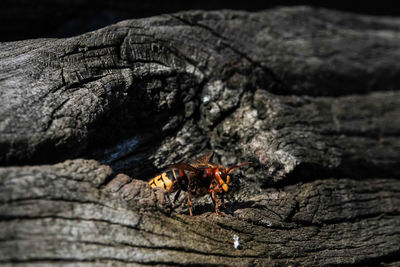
{"x": 283, "y": 88}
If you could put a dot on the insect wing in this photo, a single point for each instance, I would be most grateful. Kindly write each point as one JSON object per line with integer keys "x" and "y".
{"x": 205, "y": 158}
{"x": 183, "y": 166}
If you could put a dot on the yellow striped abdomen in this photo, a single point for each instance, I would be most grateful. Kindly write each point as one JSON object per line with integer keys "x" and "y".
{"x": 164, "y": 180}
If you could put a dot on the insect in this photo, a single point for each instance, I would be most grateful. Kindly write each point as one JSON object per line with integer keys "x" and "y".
{"x": 198, "y": 179}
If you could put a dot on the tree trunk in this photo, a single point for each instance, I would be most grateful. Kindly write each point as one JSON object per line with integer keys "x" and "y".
{"x": 310, "y": 96}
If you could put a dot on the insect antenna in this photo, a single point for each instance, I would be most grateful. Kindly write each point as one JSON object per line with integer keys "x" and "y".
{"x": 238, "y": 166}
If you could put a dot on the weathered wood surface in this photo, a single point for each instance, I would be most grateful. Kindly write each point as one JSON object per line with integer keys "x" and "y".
{"x": 311, "y": 96}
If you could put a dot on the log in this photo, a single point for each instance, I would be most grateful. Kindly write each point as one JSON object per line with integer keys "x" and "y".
{"x": 310, "y": 96}
{"x": 60, "y": 214}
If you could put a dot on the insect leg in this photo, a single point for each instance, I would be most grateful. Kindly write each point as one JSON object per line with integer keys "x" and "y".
{"x": 222, "y": 201}
{"x": 215, "y": 200}
{"x": 190, "y": 203}
{"x": 172, "y": 187}
{"x": 212, "y": 198}
{"x": 177, "y": 195}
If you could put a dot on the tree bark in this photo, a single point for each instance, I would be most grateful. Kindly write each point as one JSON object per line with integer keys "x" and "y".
{"x": 309, "y": 95}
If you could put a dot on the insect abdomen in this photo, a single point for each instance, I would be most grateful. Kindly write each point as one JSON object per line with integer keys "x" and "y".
{"x": 165, "y": 180}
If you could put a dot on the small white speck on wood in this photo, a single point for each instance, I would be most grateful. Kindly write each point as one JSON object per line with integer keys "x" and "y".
{"x": 236, "y": 243}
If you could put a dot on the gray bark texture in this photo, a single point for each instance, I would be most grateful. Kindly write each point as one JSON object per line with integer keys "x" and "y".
{"x": 310, "y": 96}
